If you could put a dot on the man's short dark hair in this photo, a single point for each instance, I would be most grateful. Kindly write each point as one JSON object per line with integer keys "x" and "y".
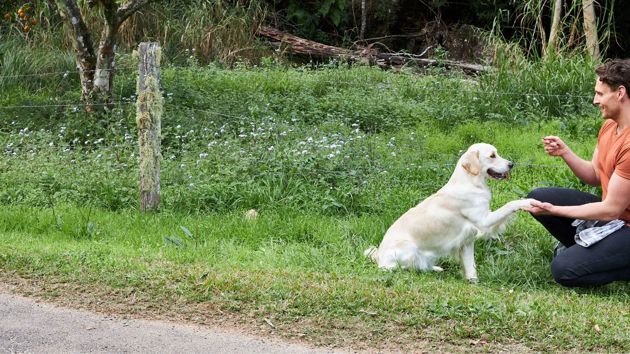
{"x": 615, "y": 73}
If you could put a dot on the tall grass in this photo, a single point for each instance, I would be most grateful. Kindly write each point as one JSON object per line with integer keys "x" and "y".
{"x": 330, "y": 141}
{"x": 201, "y": 30}
{"x": 32, "y": 67}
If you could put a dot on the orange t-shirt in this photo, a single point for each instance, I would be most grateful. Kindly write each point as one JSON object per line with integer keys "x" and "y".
{"x": 613, "y": 156}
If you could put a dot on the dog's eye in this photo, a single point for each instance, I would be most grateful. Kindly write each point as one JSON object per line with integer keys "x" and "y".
{"x": 493, "y": 155}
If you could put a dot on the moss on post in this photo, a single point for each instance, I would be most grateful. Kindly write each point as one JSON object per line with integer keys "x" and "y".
{"x": 149, "y": 108}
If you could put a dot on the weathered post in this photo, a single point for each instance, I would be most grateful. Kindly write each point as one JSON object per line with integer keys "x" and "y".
{"x": 149, "y": 108}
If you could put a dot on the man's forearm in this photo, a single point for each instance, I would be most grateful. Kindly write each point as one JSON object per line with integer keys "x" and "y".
{"x": 584, "y": 170}
{"x": 590, "y": 211}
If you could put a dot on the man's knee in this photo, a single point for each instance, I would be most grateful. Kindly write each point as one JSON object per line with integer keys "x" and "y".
{"x": 540, "y": 194}
{"x": 563, "y": 272}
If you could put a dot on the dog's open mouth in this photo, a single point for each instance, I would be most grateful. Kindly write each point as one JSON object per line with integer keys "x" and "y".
{"x": 498, "y": 175}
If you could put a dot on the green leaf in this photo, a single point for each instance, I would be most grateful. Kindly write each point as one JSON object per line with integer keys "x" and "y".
{"x": 187, "y": 232}
{"x": 325, "y": 8}
{"x": 173, "y": 241}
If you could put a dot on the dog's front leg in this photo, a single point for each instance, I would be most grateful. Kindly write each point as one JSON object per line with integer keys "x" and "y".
{"x": 467, "y": 256}
{"x": 498, "y": 216}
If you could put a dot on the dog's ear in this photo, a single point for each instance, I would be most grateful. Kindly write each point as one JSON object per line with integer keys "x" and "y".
{"x": 471, "y": 162}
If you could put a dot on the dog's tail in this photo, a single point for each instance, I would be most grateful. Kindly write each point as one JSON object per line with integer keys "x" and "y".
{"x": 371, "y": 253}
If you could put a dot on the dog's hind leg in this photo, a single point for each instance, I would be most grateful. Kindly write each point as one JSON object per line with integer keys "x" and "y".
{"x": 406, "y": 256}
{"x": 371, "y": 253}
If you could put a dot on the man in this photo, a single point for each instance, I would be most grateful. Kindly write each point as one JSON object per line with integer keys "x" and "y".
{"x": 602, "y": 254}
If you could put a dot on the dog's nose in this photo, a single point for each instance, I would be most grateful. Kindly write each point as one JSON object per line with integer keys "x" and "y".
{"x": 510, "y": 164}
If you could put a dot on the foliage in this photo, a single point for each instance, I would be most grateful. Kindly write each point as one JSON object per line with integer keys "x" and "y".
{"x": 200, "y": 30}
{"x": 33, "y": 22}
{"x": 205, "y": 31}
{"x": 19, "y": 18}
{"x": 311, "y": 19}
{"x": 26, "y": 67}
{"x": 330, "y": 141}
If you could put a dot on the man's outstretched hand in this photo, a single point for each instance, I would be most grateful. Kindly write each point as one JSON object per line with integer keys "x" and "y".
{"x": 554, "y": 146}
{"x": 540, "y": 208}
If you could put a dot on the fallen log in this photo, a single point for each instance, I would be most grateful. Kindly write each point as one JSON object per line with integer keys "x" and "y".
{"x": 388, "y": 60}
{"x": 298, "y": 45}
{"x": 302, "y": 46}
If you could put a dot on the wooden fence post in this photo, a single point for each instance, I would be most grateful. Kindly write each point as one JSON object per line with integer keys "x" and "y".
{"x": 149, "y": 108}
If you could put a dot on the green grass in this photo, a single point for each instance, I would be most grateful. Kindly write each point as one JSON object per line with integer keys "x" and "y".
{"x": 329, "y": 158}
{"x": 295, "y": 267}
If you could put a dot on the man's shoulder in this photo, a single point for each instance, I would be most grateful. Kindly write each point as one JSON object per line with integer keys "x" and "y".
{"x": 608, "y": 125}
{"x": 607, "y": 129}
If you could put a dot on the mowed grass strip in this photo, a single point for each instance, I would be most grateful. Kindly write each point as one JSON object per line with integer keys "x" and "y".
{"x": 311, "y": 281}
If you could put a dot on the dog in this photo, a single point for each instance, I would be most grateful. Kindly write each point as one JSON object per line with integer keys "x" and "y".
{"x": 448, "y": 222}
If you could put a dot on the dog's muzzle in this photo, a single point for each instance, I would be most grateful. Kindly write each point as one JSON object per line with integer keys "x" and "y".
{"x": 500, "y": 175}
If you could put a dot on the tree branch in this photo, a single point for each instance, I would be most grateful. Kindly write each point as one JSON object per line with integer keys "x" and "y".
{"x": 127, "y": 9}
{"x": 82, "y": 45}
{"x": 81, "y": 35}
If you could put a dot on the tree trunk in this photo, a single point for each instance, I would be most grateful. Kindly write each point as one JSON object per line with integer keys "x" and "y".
{"x": 300, "y": 45}
{"x": 104, "y": 75}
{"x": 590, "y": 29}
{"x": 97, "y": 71}
{"x": 543, "y": 35}
{"x": 363, "y": 19}
{"x": 552, "y": 45}
{"x": 81, "y": 44}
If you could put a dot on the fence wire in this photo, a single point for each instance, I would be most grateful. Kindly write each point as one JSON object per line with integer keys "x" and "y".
{"x": 336, "y": 82}
{"x": 131, "y": 101}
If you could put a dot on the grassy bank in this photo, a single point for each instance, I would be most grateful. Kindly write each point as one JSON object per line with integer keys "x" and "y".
{"x": 305, "y": 274}
{"x": 329, "y": 158}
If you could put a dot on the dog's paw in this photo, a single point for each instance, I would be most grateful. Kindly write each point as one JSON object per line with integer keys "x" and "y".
{"x": 473, "y": 280}
{"x": 370, "y": 252}
{"x": 523, "y": 204}
{"x": 437, "y": 269}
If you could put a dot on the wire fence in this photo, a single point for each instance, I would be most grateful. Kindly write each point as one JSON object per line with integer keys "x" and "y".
{"x": 337, "y": 82}
{"x": 126, "y": 102}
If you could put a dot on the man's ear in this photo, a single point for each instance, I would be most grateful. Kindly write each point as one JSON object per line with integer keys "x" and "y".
{"x": 623, "y": 92}
{"x": 471, "y": 162}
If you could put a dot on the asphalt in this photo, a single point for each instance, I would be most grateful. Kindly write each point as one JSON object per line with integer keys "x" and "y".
{"x": 28, "y": 326}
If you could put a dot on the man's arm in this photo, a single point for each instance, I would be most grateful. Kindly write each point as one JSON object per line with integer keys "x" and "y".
{"x": 616, "y": 202}
{"x": 583, "y": 169}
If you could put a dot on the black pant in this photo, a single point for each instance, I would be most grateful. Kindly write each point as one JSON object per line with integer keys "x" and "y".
{"x": 604, "y": 262}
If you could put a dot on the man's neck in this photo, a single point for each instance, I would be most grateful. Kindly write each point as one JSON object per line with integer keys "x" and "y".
{"x": 623, "y": 119}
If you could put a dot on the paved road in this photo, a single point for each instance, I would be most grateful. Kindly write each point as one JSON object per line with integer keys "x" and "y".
{"x": 27, "y": 326}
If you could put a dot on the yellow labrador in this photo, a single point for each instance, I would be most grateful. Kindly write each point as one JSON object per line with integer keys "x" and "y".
{"x": 449, "y": 221}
